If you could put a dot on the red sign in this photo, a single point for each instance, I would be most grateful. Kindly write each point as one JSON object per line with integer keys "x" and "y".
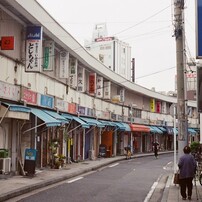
{"x": 7, "y": 43}
{"x": 29, "y": 96}
{"x": 72, "y": 108}
{"x": 92, "y": 83}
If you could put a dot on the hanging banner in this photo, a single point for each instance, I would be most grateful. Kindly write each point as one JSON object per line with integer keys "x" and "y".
{"x": 99, "y": 88}
{"x": 92, "y": 83}
{"x": 33, "y": 49}
{"x": 158, "y": 107}
{"x": 73, "y": 64}
{"x": 81, "y": 79}
{"x": 64, "y": 65}
{"x": 107, "y": 90}
{"x": 152, "y": 105}
{"x": 49, "y": 55}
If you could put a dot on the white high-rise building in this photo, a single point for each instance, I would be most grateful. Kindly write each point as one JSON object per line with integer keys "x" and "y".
{"x": 112, "y": 52}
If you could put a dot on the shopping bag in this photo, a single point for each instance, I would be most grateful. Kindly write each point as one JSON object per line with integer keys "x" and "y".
{"x": 176, "y": 179}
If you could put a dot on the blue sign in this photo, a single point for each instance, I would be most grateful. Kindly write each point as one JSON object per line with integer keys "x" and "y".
{"x": 30, "y": 154}
{"x": 34, "y": 33}
{"x": 47, "y": 101}
{"x": 199, "y": 29}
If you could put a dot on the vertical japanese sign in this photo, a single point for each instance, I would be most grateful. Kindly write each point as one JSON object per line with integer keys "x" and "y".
{"x": 152, "y": 105}
{"x": 33, "y": 49}
{"x": 158, "y": 107}
{"x": 107, "y": 90}
{"x": 73, "y": 64}
{"x": 99, "y": 89}
{"x": 92, "y": 83}
{"x": 49, "y": 55}
{"x": 163, "y": 108}
{"x": 64, "y": 65}
{"x": 122, "y": 95}
{"x": 81, "y": 79}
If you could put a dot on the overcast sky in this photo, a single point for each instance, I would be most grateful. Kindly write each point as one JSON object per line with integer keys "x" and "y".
{"x": 146, "y": 25}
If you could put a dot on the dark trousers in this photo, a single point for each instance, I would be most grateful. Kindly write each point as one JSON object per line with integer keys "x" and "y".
{"x": 186, "y": 183}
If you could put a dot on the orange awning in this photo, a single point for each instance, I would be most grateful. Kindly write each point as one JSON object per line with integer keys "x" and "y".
{"x": 139, "y": 128}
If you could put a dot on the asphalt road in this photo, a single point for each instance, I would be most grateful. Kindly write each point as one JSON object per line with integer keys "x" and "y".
{"x": 126, "y": 181}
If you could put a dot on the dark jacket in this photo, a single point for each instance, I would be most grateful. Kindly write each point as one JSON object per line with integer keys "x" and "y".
{"x": 187, "y": 166}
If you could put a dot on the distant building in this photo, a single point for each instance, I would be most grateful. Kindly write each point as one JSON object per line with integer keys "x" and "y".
{"x": 112, "y": 52}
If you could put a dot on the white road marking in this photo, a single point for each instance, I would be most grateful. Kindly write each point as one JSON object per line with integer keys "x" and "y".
{"x": 134, "y": 169}
{"x": 151, "y": 192}
{"x": 167, "y": 165}
{"x": 79, "y": 178}
{"x": 114, "y": 165}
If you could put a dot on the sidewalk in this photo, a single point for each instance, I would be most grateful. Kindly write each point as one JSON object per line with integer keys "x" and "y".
{"x": 14, "y": 186}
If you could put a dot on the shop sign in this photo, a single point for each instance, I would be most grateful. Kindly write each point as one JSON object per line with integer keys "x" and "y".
{"x": 46, "y": 101}
{"x": 73, "y": 65}
{"x": 81, "y": 110}
{"x": 72, "y": 108}
{"x": 49, "y": 55}
{"x": 99, "y": 89}
{"x": 7, "y": 43}
{"x": 81, "y": 79}
{"x": 64, "y": 65}
{"x": 33, "y": 49}
{"x": 29, "y": 96}
{"x": 92, "y": 83}
{"x": 107, "y": 90}
{"x": 9, "y": 91}
{"x": 61, "y": 105}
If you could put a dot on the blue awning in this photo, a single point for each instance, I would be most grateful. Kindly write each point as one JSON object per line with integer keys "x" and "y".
{"x": 56, "y": 116}
{"x": 75, "y": 118}
{"x": 108, "y": 123}
{"x": 93, "y": 122}
{"x": 156, "y": 129}
{"x": 175, "y": 129}
{"x": 152, "y": 130}
{"x": 192, "y": 131}
{"x": 127, "y": 127}
{"x": 49, "y": 120}
{"x": 16, "y": 108}
{"x": 120, "y": 126}
{"x": 162, "y": 128}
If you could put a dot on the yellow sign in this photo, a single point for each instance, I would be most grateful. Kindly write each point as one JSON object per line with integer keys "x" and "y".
{"x": 152, "y": 105}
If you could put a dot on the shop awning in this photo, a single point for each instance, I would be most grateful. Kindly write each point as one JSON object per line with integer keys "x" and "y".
{"x": 157, "y": 130}
{"x": 56, "y": 116}
{"x": 120, "y": 126}
{"x": 127, "y": 127}
{"x": 192, "y": 131}
{"x": 176, "y": 131}
{"x": 169, "y": 130}
{"x": 152, "y": 130}
{"x": 139, "y": 128}
{"x": 92, "y": 122}
{"x": 9, "y": 110}
{"x": 108, "y": 123}
{"x": 77, "y": 119}
{"x": 162, "y": 128}
{"x": 16, "y": 108}
{"x": 46, "y": 118}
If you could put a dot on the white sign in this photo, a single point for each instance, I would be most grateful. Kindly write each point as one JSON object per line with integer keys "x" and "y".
{"x": 64, "y": 64}
{"x": 99, "y": 88}
{"x": 9, "y": 91}
{"x": 33, "y": 49}
{"x": 122, "y": 95}
{"x": 81, "y": 79}
{"x": 73, "y": 63}
{"x": 107, "y": 90}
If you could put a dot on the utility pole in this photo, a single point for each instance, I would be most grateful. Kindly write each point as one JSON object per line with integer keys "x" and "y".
{"x": 179, "y": 36}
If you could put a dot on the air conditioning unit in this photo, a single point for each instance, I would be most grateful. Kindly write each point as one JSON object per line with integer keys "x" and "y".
{"x": 5, "y": 165}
